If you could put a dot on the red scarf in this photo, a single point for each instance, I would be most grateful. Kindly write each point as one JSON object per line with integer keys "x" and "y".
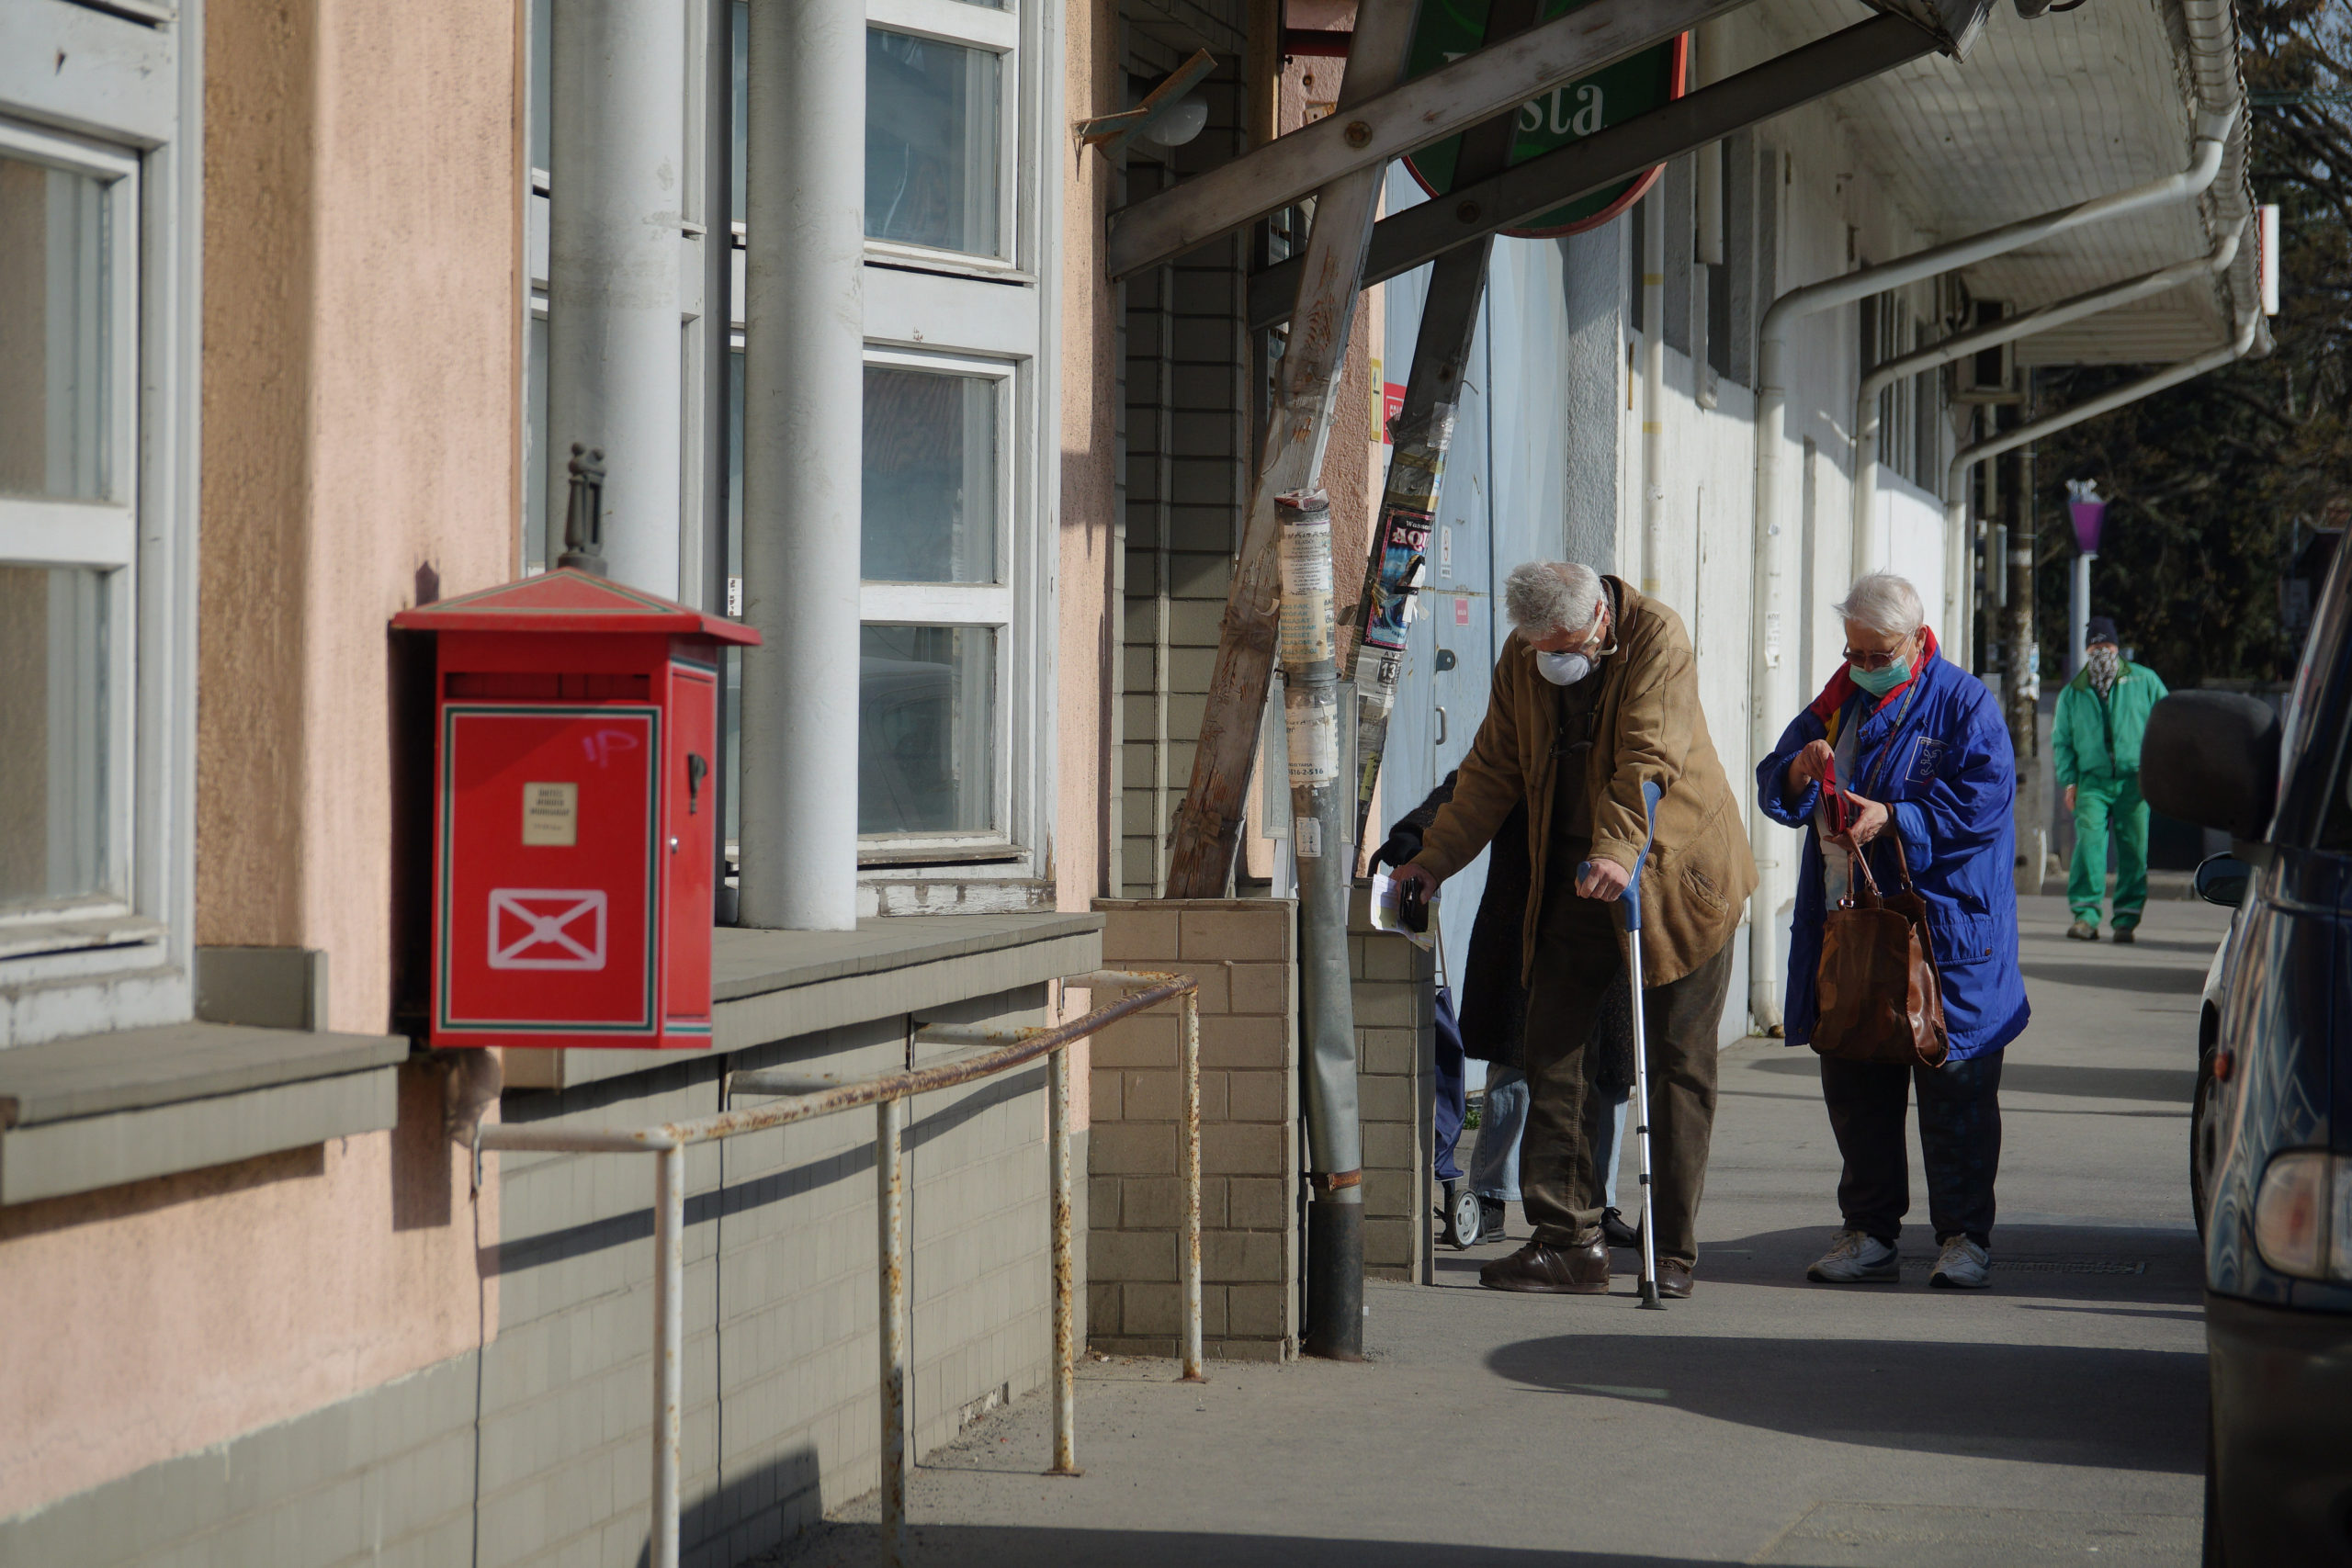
{"x": 1842, "y": 690}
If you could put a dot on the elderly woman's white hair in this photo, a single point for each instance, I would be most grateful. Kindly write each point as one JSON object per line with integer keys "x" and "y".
{"x": 1544, "y": 598}
{"x": 1886, "y": 603}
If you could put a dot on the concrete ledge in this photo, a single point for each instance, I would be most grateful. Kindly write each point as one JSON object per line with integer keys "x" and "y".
{"x": 101, "y": 1110}
{"x": 770, "y": 986}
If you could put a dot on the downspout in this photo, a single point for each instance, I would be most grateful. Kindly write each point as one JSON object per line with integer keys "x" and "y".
{"x": 1764, "y": 709}
{"x": 1653, "y": 389}
{"x": 1960, "y": 347}
{"x": 1967, "y": 457}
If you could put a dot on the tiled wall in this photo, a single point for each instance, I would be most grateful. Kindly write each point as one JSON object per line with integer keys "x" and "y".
{"x": 781, "y": 1417}
{"x": 1396, "y": 1062}
{"x": 1244, "y": 953}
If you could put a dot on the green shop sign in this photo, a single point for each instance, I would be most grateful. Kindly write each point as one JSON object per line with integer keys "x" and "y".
{"x": 1448, "y": 29}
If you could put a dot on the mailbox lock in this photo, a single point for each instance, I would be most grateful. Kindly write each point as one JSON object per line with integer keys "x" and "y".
{"x": 673, "y": 843}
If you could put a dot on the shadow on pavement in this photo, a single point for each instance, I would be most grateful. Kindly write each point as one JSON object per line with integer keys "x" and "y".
{"x": 2174, "y": 978}
{"x": 2049, "y": 1405}
{"x": 841, "y": 1544}
{"x": 2097, "y": 1267}
{"x": 2171, "y": 1086}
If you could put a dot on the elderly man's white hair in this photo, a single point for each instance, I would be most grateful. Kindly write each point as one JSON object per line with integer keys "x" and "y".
{"x": 1886, "y": 603}
{"x": 1544, "y": 598}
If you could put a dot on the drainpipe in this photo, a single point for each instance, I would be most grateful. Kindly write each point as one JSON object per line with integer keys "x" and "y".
{"x": 615, "y": 355}
{"x": 1652, "y": 388}
{"x": 803, "y": 431}
{"x": 1957, "y": 609}
{"x": 1765, "y": 706}
{"x": 2105, "y": 402}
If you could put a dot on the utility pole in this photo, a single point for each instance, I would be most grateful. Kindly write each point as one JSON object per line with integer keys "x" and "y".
{"x": 1322, "y": 826}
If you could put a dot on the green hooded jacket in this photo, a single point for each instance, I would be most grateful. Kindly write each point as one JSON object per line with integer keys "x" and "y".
{"x": 2097, "y": 739}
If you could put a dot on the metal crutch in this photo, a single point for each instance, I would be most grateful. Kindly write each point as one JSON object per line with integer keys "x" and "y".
{"x": 1632, "y": 901}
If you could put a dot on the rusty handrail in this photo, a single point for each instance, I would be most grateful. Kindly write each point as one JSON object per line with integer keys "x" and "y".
{"x": 888, "y": 1093}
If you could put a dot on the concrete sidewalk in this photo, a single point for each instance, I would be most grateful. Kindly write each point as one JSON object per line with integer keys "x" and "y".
{"x": 2059, "y": 1416}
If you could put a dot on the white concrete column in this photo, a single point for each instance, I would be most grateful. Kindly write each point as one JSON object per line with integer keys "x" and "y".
{"x": 615, "y": 347}
{"x": 1592, "y": 397}
{"x": 803, "y": 430}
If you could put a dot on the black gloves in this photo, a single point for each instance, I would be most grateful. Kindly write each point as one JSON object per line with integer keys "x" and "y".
{"x": 1404, "y": 843}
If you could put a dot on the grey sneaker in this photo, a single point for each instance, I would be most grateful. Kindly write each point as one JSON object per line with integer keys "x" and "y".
{"x": 1965, "y": 1265}
{"x": 1857, "y": 1259}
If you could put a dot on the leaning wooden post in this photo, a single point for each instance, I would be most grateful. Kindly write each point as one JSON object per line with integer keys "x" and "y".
{"x": 1208, "y": 826}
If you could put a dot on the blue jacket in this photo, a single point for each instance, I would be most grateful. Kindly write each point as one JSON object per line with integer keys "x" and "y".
{"x": 1937, "y": 753}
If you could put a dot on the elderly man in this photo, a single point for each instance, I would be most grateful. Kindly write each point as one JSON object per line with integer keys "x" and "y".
{"x": 1596, "y": 694}
{"x": 2095, "y": 738}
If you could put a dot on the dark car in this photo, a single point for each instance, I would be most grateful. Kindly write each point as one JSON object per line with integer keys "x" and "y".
{"x": 2273, "y": 1127}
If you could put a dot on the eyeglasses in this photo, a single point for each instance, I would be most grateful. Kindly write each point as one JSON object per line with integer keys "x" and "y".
{"x": 1875, "y": 662}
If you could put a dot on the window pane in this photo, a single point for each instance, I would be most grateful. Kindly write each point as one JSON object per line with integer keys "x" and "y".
{"x": 931, "y": 141}
{"x": 926, "y": 730}
{"x": 536, "y": 551}
{"x": 54, "y": 334}
{"x": 740, "y": 68}
{"x": 930, "y": 477}
{"x": 542, "y": 103}
{"x": 52, "y": 733}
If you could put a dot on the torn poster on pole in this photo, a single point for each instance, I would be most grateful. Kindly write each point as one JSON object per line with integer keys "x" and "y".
{"x": 1400, "y": 566}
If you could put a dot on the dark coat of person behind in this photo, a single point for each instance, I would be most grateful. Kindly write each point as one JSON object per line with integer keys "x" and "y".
{"x": 1493, "y": 999}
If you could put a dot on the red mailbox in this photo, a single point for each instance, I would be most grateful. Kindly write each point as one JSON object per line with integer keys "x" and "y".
{"x": 575, "y": 827}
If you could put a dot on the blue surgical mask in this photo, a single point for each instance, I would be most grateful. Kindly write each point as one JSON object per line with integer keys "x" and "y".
{"x": 1563, "y": 669}
{"x": 1878, "y": 682}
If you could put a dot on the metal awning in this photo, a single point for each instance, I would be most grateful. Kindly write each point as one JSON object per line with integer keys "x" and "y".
{"x": 2043, "y": 113}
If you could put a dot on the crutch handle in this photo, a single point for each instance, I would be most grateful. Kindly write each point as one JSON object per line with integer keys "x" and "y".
{"x": 1632, "y": 895}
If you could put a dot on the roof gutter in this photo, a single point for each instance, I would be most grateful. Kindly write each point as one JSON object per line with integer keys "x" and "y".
{"x": 1866, "y": 553}
{"x": 2214, "y": 129}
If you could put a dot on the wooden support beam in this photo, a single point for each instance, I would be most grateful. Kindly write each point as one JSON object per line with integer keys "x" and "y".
{"x": 1209, "y": 823}
{"x": 1367, "y": 134}
{"x": 1476, "y": 210}
{"x": 1372, "y": 631}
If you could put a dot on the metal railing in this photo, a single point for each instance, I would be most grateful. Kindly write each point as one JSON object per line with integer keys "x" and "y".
{"x": 803, "y": 1098}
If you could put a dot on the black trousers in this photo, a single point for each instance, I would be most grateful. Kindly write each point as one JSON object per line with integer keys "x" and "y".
{"x": 1960, "y": 1134}
{"x": 1578, "y": 957}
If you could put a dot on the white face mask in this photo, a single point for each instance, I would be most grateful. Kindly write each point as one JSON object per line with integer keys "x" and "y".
{"x": 1567, "y": 669}
{"x": 1563, "y": 669}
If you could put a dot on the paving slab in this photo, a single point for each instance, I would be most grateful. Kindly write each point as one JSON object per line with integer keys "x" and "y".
{"x": 2057, "y": 1417}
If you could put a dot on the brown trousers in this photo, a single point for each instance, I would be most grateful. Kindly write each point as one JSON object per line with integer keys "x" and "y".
{"x": 1578, "y": 953}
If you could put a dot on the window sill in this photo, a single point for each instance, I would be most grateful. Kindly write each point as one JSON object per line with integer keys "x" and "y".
{"x": 770, "y": 986}
{"x": 99, "y": 1109}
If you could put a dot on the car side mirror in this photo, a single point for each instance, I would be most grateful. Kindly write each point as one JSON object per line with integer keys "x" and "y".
{"x": 2223, "y": 879}
{"x": 2212, "y": 758}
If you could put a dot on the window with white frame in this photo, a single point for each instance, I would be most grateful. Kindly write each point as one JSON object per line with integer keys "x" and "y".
{"x": 69, "y": 240}
{"x": 95, "y": 482}
{"x": 952, "y": 539}
{"x": 956, "y": 472}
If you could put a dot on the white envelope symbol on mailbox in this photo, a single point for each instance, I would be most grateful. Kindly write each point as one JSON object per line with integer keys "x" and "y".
{"x": 535, "y": 928}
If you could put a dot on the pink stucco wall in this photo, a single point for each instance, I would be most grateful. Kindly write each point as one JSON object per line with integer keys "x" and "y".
{"x": 362, "y": 320}
{"x": 154, "y": 1319}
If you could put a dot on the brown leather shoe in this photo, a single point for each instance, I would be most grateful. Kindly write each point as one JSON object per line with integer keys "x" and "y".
{"x": 1579, "y": 1269}
{"x": 1673, "y": 1280}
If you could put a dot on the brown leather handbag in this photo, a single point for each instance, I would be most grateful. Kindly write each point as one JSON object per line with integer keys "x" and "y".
{"x": 1882, "y": 999}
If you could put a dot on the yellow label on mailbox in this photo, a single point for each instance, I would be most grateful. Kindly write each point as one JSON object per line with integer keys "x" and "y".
{"x": 550, "y": 813}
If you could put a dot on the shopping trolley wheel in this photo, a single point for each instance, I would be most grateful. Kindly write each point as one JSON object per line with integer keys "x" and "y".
{"x": 1461, "y": 1215}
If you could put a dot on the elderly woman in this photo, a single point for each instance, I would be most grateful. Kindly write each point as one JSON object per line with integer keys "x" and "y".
{"x": 1922, "y": 756}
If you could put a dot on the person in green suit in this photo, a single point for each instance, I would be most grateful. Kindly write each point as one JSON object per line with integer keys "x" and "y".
{"x": 2102, "y": 712}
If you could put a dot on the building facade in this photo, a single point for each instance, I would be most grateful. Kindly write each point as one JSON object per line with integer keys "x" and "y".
{"x": 305, "y": 306}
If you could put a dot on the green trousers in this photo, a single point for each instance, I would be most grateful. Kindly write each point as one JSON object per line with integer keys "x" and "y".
{"x": 2101, "y": 803}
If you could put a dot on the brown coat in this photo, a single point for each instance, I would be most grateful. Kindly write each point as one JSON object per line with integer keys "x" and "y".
{"x": 1647, "y": 725}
